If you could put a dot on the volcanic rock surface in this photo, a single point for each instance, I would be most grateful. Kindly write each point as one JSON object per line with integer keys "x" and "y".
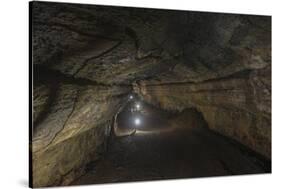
{"x": 88, "y": 59}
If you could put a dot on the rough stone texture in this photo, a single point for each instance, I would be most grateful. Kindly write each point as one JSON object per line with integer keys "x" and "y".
{"x": 86, "y": 58}
{"x": 74, "y": 131}
{"x": 86, "y": 42}
{"x": 116, "y": 45}
{"x": 71, "y": 122}
{"x": 40, "y": 99}
{"x": 238, "y": 106}
{"x": 226, "y": 76}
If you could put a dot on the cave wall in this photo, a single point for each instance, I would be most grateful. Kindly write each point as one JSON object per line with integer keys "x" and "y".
{"x": 106, "y": 45}
{"x": 84, "y": 61}
{"x": 225, "y": 73}
{"x": 72, "y": 112}
{"x": 86, "y": 58}
{"x": 74, "y": 130}
{"x": 227, "y": 79}
{"x": 235, "y": 107}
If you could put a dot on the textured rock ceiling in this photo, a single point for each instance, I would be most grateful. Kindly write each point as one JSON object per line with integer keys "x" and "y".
{"x": 86, "y": 59}
{"x": 113, "y": 45}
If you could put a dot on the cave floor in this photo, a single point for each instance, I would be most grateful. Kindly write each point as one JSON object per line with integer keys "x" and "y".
{"x": 180, "y": 153}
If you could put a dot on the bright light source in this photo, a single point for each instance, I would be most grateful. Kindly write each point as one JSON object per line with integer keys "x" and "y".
{"x": 131, "y": 97}
{"x": 137, "y": 121}
{"x": 138, "y": 106}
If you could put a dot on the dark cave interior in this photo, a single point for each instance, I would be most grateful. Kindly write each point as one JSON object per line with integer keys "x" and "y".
{"x": 165, "y": 145}
{"x": 131, "y": 94}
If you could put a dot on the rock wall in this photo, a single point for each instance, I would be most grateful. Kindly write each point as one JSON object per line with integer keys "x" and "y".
{"x": 72, "y": 119}
{"x": 225, "y": 73}
{"x": 74, "y": 130}
{"x": 86, "y": 58}
{"x": 238, "y": 106}
{"x": 73, "y": 105}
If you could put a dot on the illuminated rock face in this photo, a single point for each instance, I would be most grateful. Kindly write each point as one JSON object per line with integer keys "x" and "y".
{"x": 225, "y": 73}
{"x": 74, "y": 131}
{"x": 88, "y": 59}
{"x": 238, "y": 107}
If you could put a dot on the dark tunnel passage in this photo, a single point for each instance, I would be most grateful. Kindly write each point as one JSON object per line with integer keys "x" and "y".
{"x": 140, "y": 117}
{"x": 169, "y": 145}
{"x": 130, "y": 94}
